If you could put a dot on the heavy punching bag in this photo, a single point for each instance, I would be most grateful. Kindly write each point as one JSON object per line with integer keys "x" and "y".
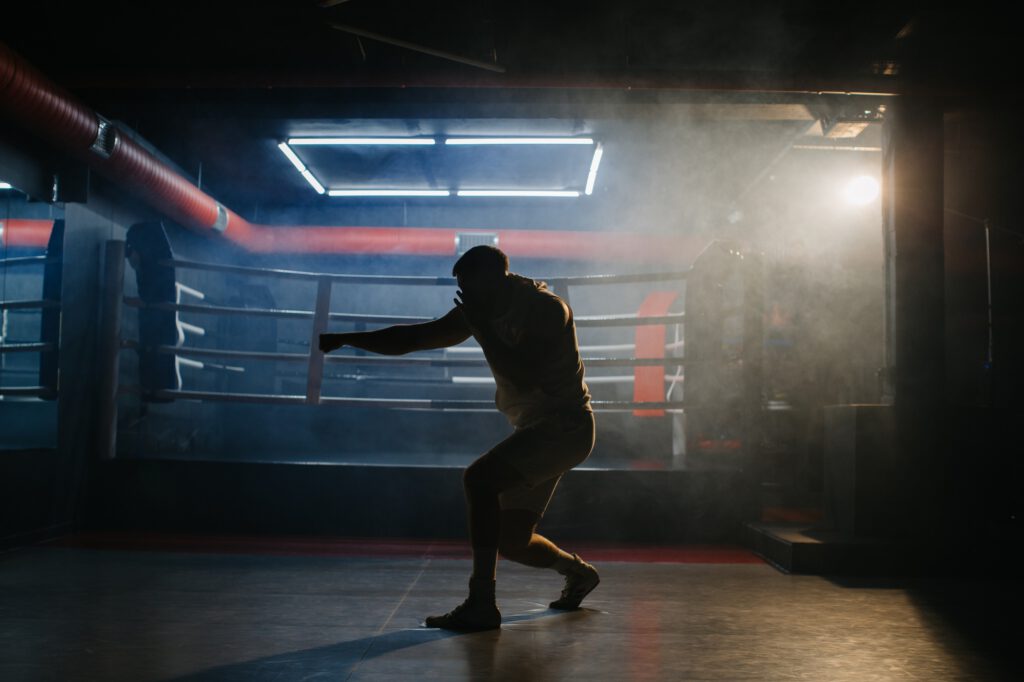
{"x": 146, "y": 246}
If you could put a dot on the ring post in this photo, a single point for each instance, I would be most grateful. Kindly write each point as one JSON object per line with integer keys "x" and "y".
{"x": 315, "y": 377}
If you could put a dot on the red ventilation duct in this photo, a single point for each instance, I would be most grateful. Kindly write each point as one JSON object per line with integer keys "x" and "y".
{"x": 29, "y": 98}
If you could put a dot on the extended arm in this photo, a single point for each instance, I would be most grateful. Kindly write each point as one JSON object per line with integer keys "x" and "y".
{"x": 400, "y": 339}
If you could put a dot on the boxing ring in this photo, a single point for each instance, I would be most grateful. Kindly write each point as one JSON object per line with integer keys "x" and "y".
{"x": 681, "y": 361}
{"x": 678, "y": 362}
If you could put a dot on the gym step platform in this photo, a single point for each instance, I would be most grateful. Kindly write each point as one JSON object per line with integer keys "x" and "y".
{"x": 806, "y": 549}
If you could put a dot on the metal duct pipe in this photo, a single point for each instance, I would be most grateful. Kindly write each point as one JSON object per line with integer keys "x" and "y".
{"x": 31, "y": 99}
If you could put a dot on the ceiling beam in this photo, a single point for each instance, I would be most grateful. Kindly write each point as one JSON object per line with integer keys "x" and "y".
{"x": 416, "y": 47}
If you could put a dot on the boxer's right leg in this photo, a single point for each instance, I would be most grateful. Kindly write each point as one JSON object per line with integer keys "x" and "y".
{"x": 520, "y": 542}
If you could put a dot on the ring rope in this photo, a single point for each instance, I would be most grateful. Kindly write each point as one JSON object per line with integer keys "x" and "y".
{"x": 395, "y": 403}
{"x": 413, "y": 279}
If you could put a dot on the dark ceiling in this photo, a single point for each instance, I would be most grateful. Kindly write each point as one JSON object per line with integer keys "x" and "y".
{"x": 215, "y": 85}
{"x": 230, "y": 43}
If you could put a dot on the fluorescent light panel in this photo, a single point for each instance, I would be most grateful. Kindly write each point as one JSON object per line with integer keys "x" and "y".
{"x": 594, "y": 164}
{"x": 285, "y": 148}
{"x": 301, "y": 167}
{"x": 287, "y": 151}
{"x": 356, "y": 141}
{"x": 516, "y": 193}
{"x": 313, "y": 181}
{"x": 518, "y": 140}
{"x": 389, "y": 193}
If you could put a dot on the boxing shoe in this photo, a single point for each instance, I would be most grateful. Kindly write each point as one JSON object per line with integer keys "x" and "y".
{"x": 580, "y": 580}
{"x": 478, "y": 612}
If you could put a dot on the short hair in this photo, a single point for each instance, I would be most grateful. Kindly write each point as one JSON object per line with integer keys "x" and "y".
{"x": 483, "y": 259}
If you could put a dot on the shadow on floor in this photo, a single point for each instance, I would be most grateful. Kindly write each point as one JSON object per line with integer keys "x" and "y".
{"x": 976, "y": 616}
{"x": 335, "y": 660}
{"x": 968, "y": 616}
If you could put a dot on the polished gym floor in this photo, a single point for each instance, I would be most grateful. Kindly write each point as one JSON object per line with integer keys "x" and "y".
{"x": 125, "y": 608}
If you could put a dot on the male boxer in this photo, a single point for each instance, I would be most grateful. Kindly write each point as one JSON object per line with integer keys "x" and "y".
{"x": 529, "y": 340}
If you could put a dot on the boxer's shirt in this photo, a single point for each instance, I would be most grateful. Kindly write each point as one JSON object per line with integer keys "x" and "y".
{"x": 562, "y": 387}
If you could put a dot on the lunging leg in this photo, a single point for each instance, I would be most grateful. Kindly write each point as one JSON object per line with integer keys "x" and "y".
{"x": 520, "y": 542}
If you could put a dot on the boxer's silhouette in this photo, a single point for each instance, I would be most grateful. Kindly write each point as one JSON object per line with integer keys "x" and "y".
{"x": 529, "y": 339}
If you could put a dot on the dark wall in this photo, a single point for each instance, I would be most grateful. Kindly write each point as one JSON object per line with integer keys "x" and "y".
{"x": 984, "y": 172}
{"x": 984, "y": 365}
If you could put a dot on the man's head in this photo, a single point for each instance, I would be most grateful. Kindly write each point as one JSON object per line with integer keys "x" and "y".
{"x": 481, "y": 271}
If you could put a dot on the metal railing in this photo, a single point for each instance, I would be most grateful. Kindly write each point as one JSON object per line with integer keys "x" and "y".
{"x": 26, "y": 347}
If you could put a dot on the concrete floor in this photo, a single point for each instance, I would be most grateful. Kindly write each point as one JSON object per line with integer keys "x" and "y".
{"x": 70, "y": 613}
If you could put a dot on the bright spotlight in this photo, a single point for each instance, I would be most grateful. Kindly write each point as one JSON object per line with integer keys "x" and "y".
{"x": 861, "y": 190}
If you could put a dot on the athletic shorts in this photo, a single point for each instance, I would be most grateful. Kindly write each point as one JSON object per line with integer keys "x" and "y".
{"x": 542, "y": 451}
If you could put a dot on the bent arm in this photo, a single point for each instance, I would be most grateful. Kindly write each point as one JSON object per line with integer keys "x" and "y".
{"x": 400, "y": 339}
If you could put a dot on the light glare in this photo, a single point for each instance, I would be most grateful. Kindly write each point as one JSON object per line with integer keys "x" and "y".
{"x": 861, "y": 190}
{"x": 5, "y": 185}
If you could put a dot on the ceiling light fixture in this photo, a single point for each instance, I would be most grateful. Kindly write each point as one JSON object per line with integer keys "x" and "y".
{"x": 301, "y": 167}
{"x": 389, "y": 193}
{"x": 594, "y": 164}
{"x": 286, "y": 149}
{"x": 516, "y": 193}
{"x": 361, "y": 141}
{"x": 517, "y": 140}
{"x": 313, "y": 181}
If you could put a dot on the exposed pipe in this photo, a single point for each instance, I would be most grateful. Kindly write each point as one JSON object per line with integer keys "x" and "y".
{"x": 32, "y": 100}
{"x": 420, "y": 241}
{"x": 29, "y": 98}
